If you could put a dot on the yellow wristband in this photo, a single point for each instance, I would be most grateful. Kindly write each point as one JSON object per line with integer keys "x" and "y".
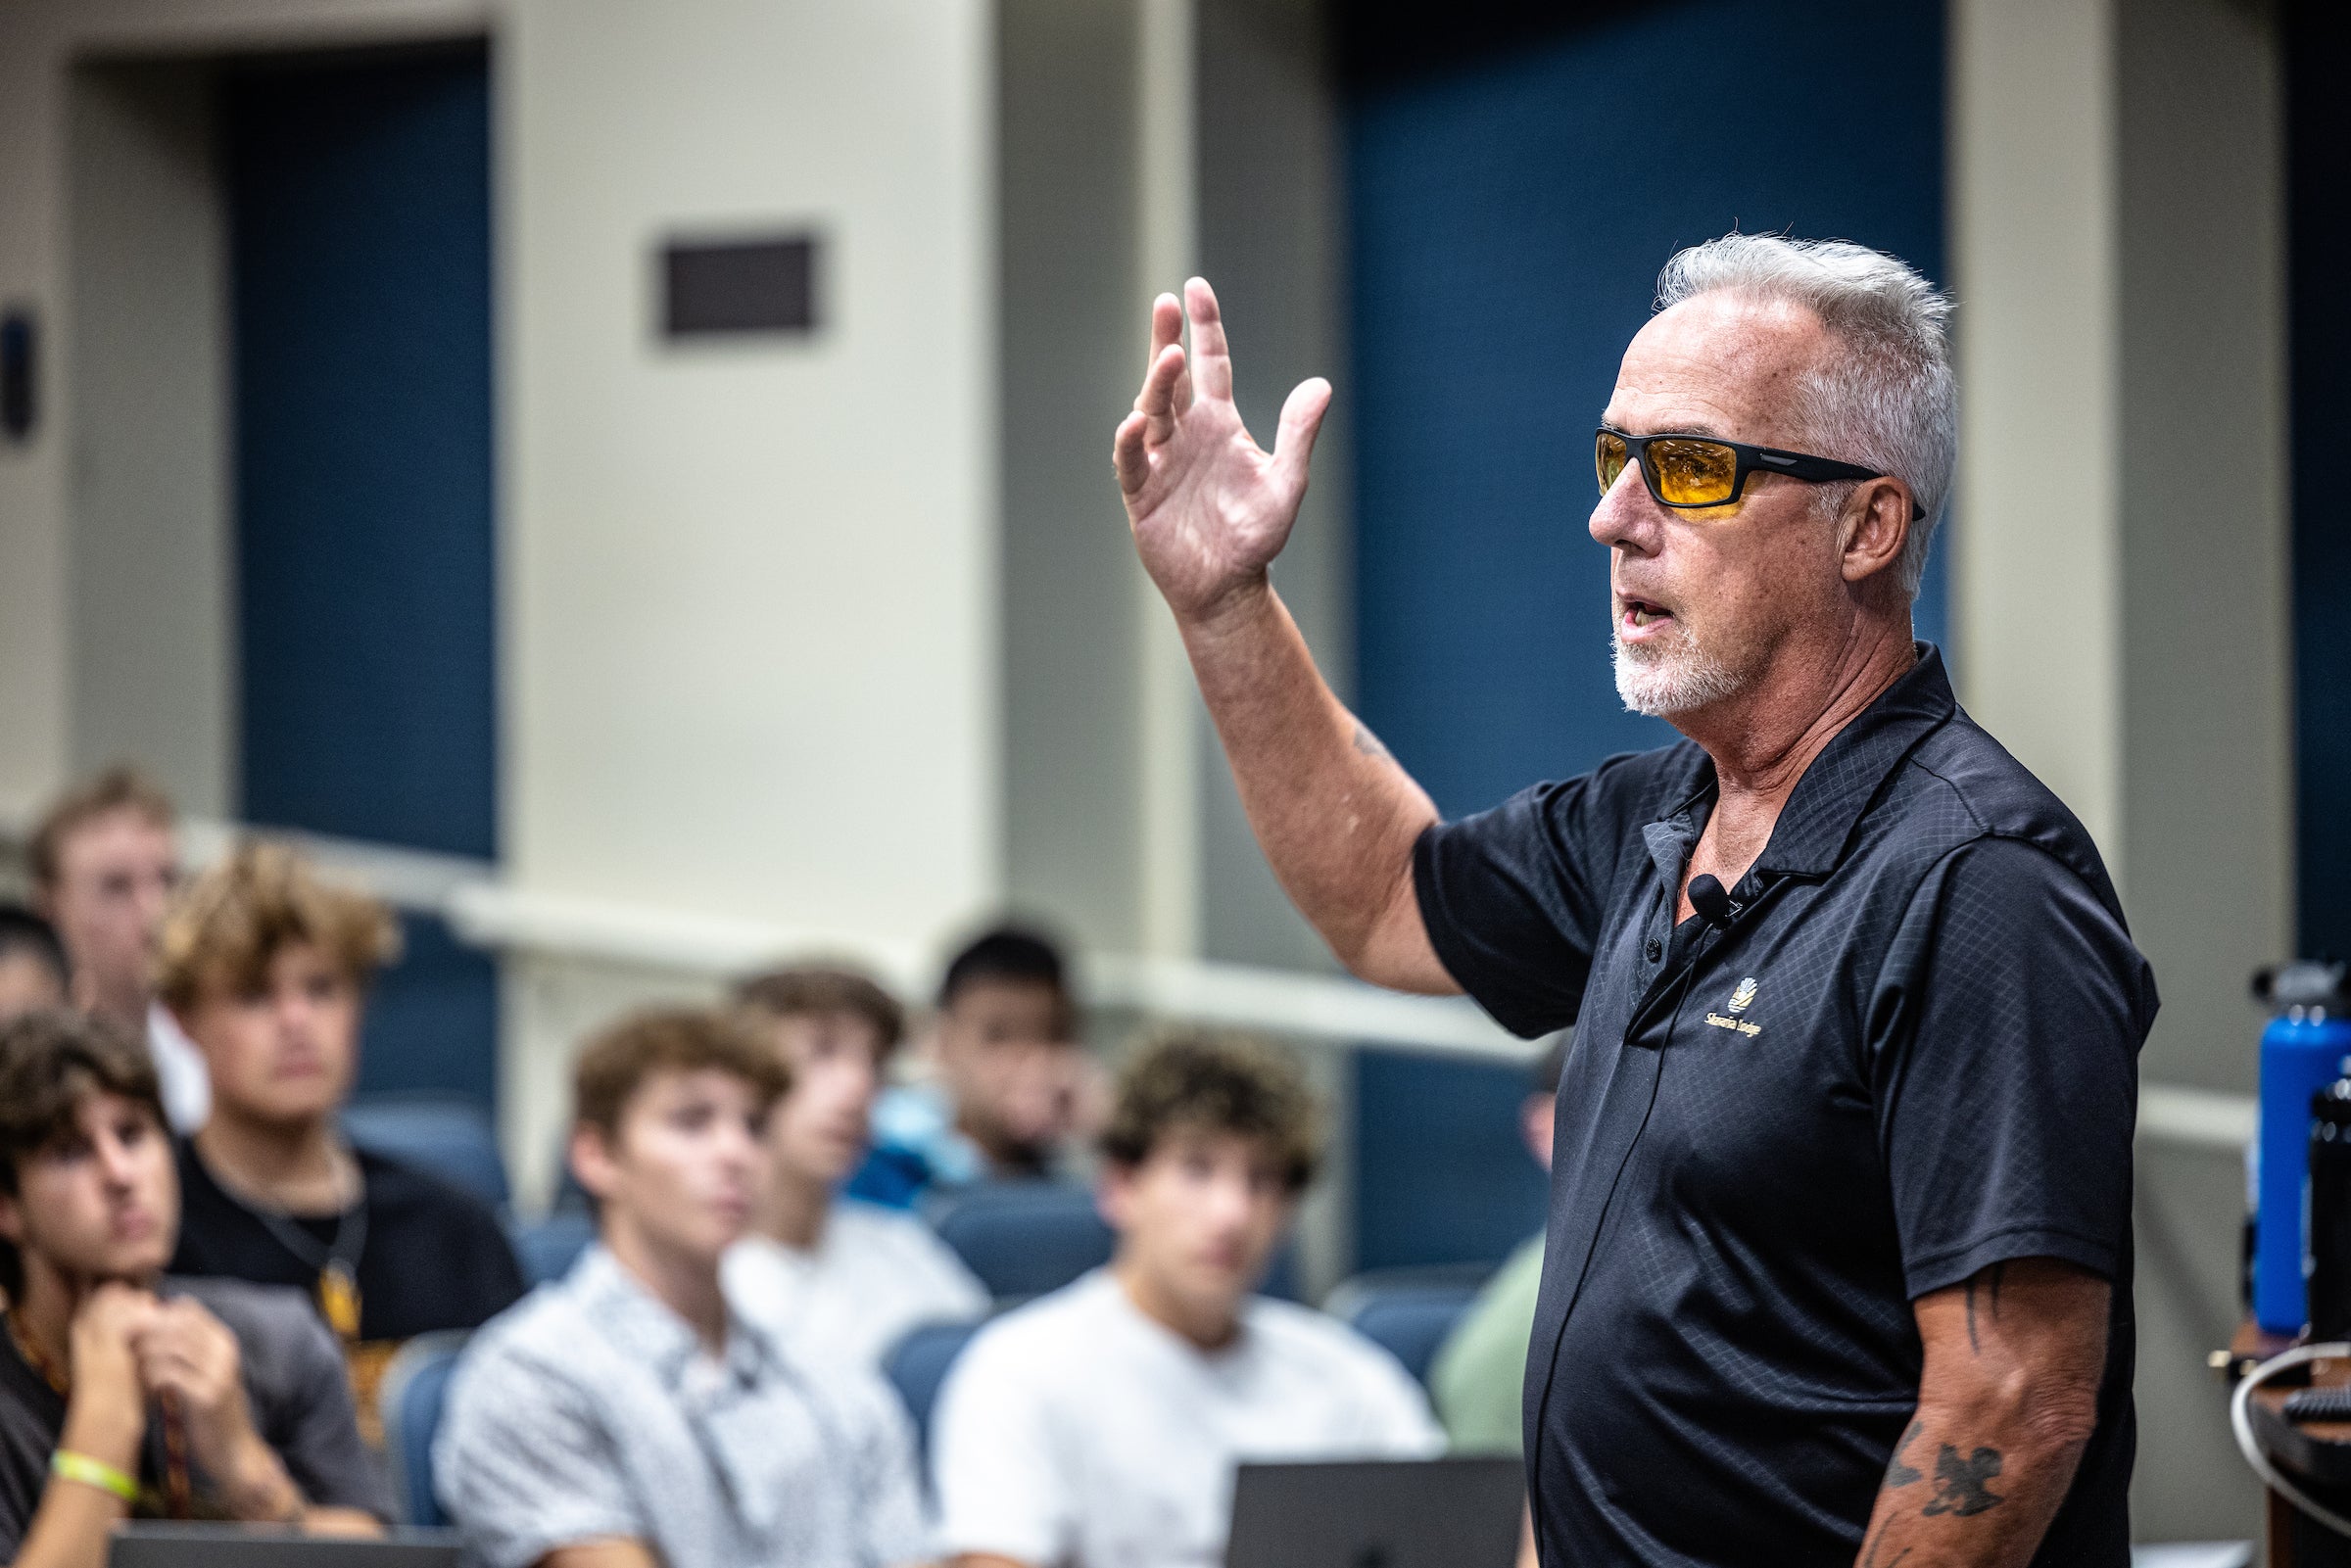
{"x": 71, "y": 1466}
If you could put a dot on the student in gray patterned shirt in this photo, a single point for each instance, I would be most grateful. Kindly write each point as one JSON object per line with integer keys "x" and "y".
{"x": 628, "y": 1417}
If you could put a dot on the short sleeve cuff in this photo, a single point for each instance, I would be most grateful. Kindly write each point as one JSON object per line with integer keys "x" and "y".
{"x": 1522, "y": 1019}
{"x": 1952, "y": 1265}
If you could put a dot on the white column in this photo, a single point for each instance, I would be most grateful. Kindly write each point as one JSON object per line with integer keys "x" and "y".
{"x": 1173, "y": 728}
{"x": 2122, "y": 544}
{"x": 2037, "y": 583}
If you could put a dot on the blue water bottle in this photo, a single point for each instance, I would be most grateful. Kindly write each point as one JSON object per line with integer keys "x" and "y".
{"x": 2302, "y": 1052}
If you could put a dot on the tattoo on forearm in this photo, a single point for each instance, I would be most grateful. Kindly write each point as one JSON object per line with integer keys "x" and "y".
{"x": 1368, "y": 744}
{"x": 1992, "y": 1278}
{"x": 1960, "y": 1483}
{"x": 1898, "y": 1474}
{"x": 1870, "y": 1560}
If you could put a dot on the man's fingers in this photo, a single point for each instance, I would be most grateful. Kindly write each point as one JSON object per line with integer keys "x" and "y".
{"x": 1300, "y": 421}
{"x": 1157, "y": 402}
{"x": 1213, "y": 370}
{"x": 1167, "y": 331}
{"x": 1166, "y": 325}
{"x": 1126, "y": 455}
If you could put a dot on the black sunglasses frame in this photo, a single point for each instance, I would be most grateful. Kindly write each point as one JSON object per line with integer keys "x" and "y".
{"x": 1751, "y": 460}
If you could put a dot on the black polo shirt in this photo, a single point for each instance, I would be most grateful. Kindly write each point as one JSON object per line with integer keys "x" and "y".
{"x": 1913, "y": 1055}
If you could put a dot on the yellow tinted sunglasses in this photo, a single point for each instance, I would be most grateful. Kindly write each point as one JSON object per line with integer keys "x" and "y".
{"x": 1690, "y": 471}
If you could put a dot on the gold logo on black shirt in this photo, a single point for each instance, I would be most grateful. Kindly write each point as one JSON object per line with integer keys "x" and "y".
{"x": 1742, "y": 998}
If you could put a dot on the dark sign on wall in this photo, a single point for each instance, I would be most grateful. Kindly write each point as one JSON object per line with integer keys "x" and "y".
{"x": 16, "y": 374}
{"x": 724, "y": 288}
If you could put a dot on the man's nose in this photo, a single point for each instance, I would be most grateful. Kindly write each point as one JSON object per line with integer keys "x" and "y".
{"x": 1229, "y": 1200}
{"x": 116, "y": 1161}
{"x": 153, "y": 898}
{"x": 1627, "y": 517}
{"x": 738, "y": 1145}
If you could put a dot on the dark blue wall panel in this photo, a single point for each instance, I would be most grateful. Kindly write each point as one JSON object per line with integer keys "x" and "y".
{"x": 1449, "y": 1181}
{"x": 360, "y": 199}
{"x": 360, "y": 223}
{"x": 432, "y": 1023}
{"x": 2319, "y": 162}
{"x": 1510, "y": 216}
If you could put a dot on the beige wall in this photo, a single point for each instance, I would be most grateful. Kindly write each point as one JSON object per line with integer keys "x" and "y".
{"x": 150, "y": 616}
{"x": 749, "y": 620}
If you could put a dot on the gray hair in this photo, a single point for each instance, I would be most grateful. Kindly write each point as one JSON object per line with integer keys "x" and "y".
{"x": 1890, "y": 401}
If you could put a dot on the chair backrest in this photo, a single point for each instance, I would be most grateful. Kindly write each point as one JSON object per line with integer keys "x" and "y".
{"x": 1408, "y": 1313}
{"x": 414, "y": 1391}
{"x": 918, "y": 1364}
{"x": 449, "y": 1137}
{"x": 1023, "y": 1238}
{"x": 548, "y": 1248}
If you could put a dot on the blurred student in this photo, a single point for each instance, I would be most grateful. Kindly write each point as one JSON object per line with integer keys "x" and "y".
{"x": 1100, "y": 1427}
{"x": 124, "y": 1390}
{"x": 267, "y": 967}
{"x": 1479, "y": 1376}
{"x": 628, "y": 1416}
{"x": 831, "y": 1278}
{"x": 1012, "y": 1086}
{"x": 104, "y": 860}
{"x": 33, "y": 964}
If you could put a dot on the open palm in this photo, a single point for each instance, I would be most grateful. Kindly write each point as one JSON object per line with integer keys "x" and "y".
{"x": 1210, "y": 508}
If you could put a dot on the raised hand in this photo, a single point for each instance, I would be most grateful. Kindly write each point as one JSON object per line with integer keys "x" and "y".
{"x": 1210, "y": 508}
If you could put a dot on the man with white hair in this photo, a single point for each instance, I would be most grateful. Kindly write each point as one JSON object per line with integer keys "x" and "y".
{"x": 1838, "y": 1269}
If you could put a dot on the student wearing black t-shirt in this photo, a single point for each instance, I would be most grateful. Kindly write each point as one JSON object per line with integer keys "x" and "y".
{"x": 266, "y": 967}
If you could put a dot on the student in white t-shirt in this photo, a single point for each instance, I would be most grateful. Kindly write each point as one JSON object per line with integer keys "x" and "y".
{"x": 1100, "y": 1426}
{"x": 833, "y": 1279}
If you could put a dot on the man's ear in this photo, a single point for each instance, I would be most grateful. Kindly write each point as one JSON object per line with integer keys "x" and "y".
{"x": 1875, "y": 525}
{"x": 12, "y": 1219}
{"x": 593, "y": 1162}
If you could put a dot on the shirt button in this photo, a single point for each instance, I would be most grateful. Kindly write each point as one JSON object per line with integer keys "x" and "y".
{"x": 1655, "y": 950}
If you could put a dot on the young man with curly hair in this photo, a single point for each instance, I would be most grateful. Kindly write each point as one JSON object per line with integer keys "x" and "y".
{"x": 268, "y": 967}
{"x": 1101, "y": 1425}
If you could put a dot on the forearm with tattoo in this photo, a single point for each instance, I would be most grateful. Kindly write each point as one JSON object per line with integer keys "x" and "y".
{"x": 2007, "y": 1401}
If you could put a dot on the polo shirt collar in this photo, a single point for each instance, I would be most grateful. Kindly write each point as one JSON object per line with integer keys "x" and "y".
{"x": 1818, "y": 820}
{"x": 644, "y": 1328}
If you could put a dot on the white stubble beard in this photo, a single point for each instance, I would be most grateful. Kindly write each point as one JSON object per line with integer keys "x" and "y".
{"x": 1664, "y": 680}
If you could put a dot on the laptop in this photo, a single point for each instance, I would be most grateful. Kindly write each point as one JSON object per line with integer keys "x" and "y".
{"x": 1379, "y": 1513}
{"x": 226, "y": 1546}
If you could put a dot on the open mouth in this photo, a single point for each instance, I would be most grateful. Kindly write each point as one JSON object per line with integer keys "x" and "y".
{"x": 1636, "y": 614}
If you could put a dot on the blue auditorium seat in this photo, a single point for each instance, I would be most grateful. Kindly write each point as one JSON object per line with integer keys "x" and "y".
{"x": 1407, "y": 1313}
{"x": 917, "y": 1365}
{"x": 1023, "y": 1238}
{"x": 412, "y": 1395}
{"x": 447, "y": 1136}
{"x": 548, "y": 1248}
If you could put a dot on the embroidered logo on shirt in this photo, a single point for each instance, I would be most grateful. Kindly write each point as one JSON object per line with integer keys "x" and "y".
{"x": 1742, "y": 997}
